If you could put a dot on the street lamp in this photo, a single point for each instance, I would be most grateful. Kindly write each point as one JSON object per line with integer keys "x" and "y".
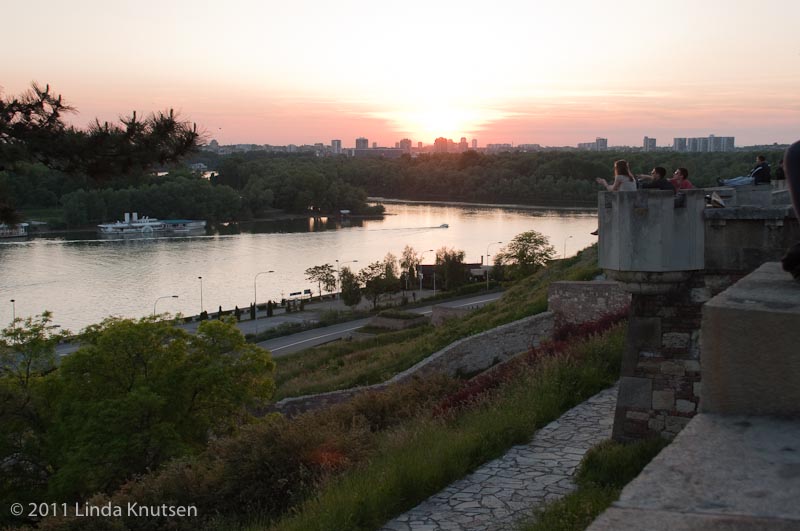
{"x": 13, "y": 312}
{"x": 158, "y": 299}
{"x": 255, "y": 296}
{"x": 339, "y": 274}
{"x": 487, "y": 263}
{"x": 420, "y": 274}
{"x": 201, "y": 293}
{"x": 565, "y": 246}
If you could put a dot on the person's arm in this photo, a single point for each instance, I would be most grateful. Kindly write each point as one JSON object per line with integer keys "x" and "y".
{"x": 610, "y": 187}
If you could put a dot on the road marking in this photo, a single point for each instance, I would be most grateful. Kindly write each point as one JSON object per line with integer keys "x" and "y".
{"x": 475, "y": 302}
{"x": 315, "y": 337}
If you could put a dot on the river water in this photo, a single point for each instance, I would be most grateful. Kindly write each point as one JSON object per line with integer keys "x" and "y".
{"x": 83, "y": 279}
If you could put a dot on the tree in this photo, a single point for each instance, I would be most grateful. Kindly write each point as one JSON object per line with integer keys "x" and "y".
{"x": 526, "y": 253}
{"x": 27, "y": 359}
{"x": 32, "y": 130}
{"x": 323, "y": 275}
{"x": 136, "y": 394}
{"x": 350, "y": 287}
{"x": 409, "y": 263}
{"x": 450, "y": 268}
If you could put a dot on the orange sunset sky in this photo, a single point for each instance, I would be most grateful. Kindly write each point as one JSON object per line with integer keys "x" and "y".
{"x": 548, "y": 72}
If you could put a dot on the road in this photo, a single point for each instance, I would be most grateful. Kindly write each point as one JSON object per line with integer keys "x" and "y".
{"x": 282, "y": 346}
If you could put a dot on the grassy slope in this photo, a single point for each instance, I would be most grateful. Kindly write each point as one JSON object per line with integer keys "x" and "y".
{"x": 341, "y": 366}
{"x": 422, "y": 457}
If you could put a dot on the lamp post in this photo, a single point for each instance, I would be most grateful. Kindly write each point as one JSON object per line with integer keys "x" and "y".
{"x": 487, "y": 263}
{"x": 13, "y": 312}
{"x": 158, "y": 299}
{"x": 339, "y": 275}
{"x": 420, "y": 274}
{"x": 565, "y": 246}
{"x": 255, "y": 293}
{"x": 201, "y": 293}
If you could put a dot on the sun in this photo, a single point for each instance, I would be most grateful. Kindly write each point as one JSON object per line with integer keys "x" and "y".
{"x": 428, "y": 122}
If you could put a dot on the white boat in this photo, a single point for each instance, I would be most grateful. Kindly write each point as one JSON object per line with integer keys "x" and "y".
{"x": 134, "y": 225}
{"x": 20, "y": 230}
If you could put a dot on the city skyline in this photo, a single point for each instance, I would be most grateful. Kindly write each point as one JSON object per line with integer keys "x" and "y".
{"x": 554, "y": 74}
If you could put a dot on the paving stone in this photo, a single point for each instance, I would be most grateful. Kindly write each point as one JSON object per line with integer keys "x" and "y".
{"x": 510, "y": 488}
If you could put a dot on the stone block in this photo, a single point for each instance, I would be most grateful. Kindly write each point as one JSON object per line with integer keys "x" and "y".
{"x": 673, "y": 368}
{"x": 676, "y": 424}
{"x": 635, "y": 392}
{"x": 696, "y": 387}
{"x": 664, "y": 400}
{"x": 675, "y": 340}
{"x": 685, "y": 406}
{"x": 691, "y": 365}
{"x": 644, "y": 333}
{"x": 656, "y": 423}
{"x": 700, "y": 295}
{"x": 637, "y": 415}
{"x": 751, "y": 358}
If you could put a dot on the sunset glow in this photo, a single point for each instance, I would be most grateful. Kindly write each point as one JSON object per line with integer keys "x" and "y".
{"x": 553, "y": 73}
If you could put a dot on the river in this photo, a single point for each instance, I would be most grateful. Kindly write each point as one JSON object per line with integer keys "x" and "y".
{"x": 83, "y": 279}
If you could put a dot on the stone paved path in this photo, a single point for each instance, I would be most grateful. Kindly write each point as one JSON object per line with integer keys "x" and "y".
{"x": 507, "y": 489}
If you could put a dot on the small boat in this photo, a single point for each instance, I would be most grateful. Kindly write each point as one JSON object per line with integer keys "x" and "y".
{"x": 134, "y": 225}
{"x": 444, "y": 226}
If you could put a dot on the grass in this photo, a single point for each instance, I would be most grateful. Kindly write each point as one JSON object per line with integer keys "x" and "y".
{"x": 605, "y": 470}
{"x": 340, "y": 366}
{"x": 420, "y": 458}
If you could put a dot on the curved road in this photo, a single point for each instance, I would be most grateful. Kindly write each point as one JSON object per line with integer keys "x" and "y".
{"x": 282, "y": 346}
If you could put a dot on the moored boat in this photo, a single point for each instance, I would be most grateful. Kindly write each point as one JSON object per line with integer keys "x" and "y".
{"x": 134, "y": 225}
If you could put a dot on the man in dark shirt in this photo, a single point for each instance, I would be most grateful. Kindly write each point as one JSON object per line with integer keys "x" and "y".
{"x": 657, "y": 180}
{"x": 760, "y": 174}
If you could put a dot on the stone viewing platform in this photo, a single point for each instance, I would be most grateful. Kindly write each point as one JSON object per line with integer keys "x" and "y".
{"x": 736, "y": 465}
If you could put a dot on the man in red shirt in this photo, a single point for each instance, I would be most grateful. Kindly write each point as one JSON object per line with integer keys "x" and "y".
{"x": 680, "y": 180}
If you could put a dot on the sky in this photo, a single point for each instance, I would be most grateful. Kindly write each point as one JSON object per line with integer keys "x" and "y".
{"x": 536, "y": 71}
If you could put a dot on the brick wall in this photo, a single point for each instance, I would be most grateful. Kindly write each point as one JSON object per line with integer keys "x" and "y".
{"x": 580, "y": 302}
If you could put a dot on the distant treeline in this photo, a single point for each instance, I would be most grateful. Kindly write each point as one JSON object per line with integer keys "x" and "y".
{"x": 249, "y": 184}
{"x": 547, "y": 177}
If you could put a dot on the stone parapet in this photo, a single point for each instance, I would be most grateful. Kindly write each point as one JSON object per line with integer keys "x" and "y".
{"x": 751, "y": 346}
{"x": 723, "y": 473}
{"x": 651, "y": 231}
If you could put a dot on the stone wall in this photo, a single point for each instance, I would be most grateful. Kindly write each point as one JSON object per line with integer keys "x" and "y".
{"x": 465, "y": 356}
{"x": 580, "y": 302}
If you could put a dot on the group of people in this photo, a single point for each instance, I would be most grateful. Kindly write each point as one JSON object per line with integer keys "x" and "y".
{"x": 626, "y": 181}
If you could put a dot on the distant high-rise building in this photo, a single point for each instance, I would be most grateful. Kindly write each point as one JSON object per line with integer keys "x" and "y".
{"x": 362, "y": 143}
{"x": 336, "y": 147}
{"x": 419, "y": 146}
{"x": 475, "y": 144}
{"x": 679, "y": 144}
{"x": 728, "y": 143}
{"x": 602, "y": 144}
{"x": 374, "y": 145}
{"x": 440, "y": 145}
{"x": 405, "y": 145}
{"x": 462, "y": 145}
{"x": 649, "y": 144}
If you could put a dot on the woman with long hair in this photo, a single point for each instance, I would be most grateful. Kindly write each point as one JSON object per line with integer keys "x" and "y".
{"x": 624, "y": 181}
